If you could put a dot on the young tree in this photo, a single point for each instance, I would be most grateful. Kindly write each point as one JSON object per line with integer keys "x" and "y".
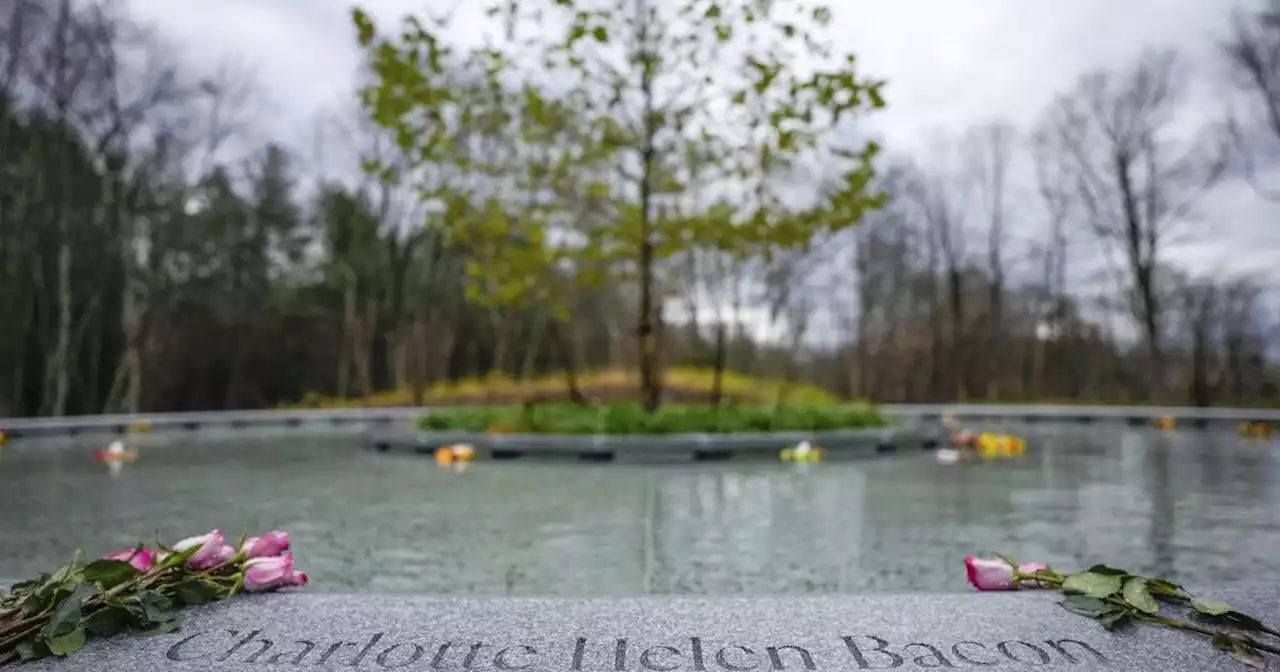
{"x": 659, "y": 87}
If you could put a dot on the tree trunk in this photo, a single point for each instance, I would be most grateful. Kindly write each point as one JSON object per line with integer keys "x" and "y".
{"x": 1200, "y": 396}
{"x": 399, "y": 357}
{"x": 563, "y": 335}
{"x": 345, "y": 353}
{"x": 717, "y": 381}
{"x": 650, "y": 389}
{"x": 363, "y": 352}
{"x": 417, "y": 347}
{"x": 534, "y": 345}
{"x": 959, "y": 351}
{"x": 500, "y": 343}
{"x": 57, "y": 377}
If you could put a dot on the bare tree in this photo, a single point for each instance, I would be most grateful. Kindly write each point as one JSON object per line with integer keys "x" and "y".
{"x": 1244, "y": 340}
{"x": 1198, "y": 300}
{"x": 149, "y": 117}
{"x": 1056, "y": 191}
{"x": 1135, "y": 179}
{"x": 1253, "y": 53}
{"x": 942, "y": 198}
{"x": 988, "y": 151}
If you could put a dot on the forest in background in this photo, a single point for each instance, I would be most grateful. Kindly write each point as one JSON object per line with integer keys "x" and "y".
{"x": 152, "y": 259}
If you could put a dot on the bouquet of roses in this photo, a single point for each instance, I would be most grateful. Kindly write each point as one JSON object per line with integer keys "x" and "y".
{"x": 138, "y": 590}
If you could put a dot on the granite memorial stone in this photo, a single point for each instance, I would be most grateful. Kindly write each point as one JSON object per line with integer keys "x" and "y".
{"x": 999, "y": 632}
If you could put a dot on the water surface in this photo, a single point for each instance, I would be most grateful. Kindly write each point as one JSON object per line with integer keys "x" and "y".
{"x": 1190, "y": 506}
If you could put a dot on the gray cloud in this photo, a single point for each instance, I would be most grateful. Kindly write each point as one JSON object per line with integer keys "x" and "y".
{"x": 949, "y": 65}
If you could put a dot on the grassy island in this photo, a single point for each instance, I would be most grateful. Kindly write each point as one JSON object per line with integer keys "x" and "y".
{"x": 680, "y": 384}
{"x": 630, "y": 418}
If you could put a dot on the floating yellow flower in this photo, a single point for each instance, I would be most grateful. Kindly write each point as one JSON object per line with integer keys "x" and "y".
{"x": 1255, "y": 429}
{"x": 458, "y": 453}
{"x": 801, "y": 452}
{"x": 990, "y": 445}
{"x": 3, "y": 438}
{"x": 1166, "y": 422}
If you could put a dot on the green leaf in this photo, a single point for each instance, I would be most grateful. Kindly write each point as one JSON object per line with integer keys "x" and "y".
{"x": 108, "y": 621}
{"x": 1239, "y": 650}
{"x": 1210, "y": 607}
{"x": 713, "y": 12}
{"x": 1085, "y": 606}
{"x": 601, "y": 34}
{"x": 364, "y": 27}
{"x": 1164, "y": 587}
{"x": 66, "y": 616}
{"x": 107, "y": 574}
{"x": 1114, "y": 619}
{"x": 1248, "y": 655}
{"x": 31, "y": 650}
{"x": 196, "y": 591}
{"x": 1138, "y": 597}
{"x": 1108, "y": 571}
{"x": 158, "y": 629}
{"x": 1245, "y": 621}
{"x": 61, "y": 574}
{"x": 65, "y": 643}
{"x": 1092, "y": 584}
{"x": 155, "y": 607}
{"x": 37, "y": 602}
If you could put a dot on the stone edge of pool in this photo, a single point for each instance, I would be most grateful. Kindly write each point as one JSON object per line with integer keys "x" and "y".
{"x": 197, "y": 420}
{"x": 669, "y": 634}
{"x": 692, "y": 447}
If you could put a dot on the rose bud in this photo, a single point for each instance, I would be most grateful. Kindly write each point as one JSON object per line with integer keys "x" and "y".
{"x": 987, "y": 574}
{"x": 269, "y": 545}
{"x": 140, "y": 558}
{"x": 213, "y": 550}
{"x": 264, "y": 574}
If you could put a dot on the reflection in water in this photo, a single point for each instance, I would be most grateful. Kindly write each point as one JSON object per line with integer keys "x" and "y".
{"x": 1195, "y": 507}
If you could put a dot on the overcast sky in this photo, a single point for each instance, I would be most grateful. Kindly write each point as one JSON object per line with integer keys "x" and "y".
{"x": 949, "y": 64}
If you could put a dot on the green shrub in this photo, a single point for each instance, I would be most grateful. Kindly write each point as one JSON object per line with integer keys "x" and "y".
{"x": 669, "y": 419}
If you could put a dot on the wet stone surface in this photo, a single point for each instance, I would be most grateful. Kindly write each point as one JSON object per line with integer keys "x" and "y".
{"x": 1022, "y": 631}
{"x": 1194, "y": 507}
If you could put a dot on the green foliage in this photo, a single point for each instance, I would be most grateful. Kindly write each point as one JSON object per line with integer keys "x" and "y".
{"x": 1093, "y": 584}
{"x": 632, "y": 419}
{"x": 1115, "y": 597}
{"x": 1139, "y": 597}
{"x": 1210, "y": 607}
{"x": 56, "y": 613}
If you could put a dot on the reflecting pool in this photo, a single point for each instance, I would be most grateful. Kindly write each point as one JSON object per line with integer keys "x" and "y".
{"x": 1195, "y": 507}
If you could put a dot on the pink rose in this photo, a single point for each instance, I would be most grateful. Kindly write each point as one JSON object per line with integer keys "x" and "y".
{"x": 263, "y": 574}
{"x": 996, "y": 574}
{"x": 213, "y": 550}
{"x": 269, "y": 545}
{"x": 140, "y": 558}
